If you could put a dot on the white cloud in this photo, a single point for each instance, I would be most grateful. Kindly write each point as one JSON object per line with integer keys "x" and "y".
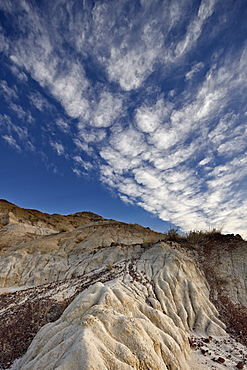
{"x": 85, "y": 164}
{"x": 117, "y": 161}
{"x": 165, "y": 138}
{"x": 22, "y": 132}
{"x": 228, "y": 136}
{"x": 15, "y": 135}
{"x": 3, "y": 42}
{"x": 39, "y": 101}
{"x": 106, "y": 111}
{"x": 194, "y": 70}
{"x": 90, "y": 135}
{"x": 233, "y": 146}
{"x": 58, "y": 147}
{"x": 18, "y": 73}
{"x": 63, "y": 125}
{"x": 11, "y": 141}
{"x": 128, "y": 47}
{"x": 18, "y": 110}
{"x": 132, "y": 68}
{"x": 205, "y": 161}
{"x": 68, "y": 88}
{"x": 148, "y": 119}
{"x": 83, "y": 146}
{"x": 206, "y": 9}
{"x": 128, "y": 142}
{"x": 175, "y": 156}
{"x": 9, "y": 93}
{"x": 5, "y": 122}
{"x": 147, "y": 178}
{"x": 195, "y": 27}
{"x": 39, "y": 52}
{"x": 78, "y": 172}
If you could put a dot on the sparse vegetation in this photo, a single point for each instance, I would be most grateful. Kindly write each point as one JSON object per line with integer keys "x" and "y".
{"x": 194, "y": 238}
{"x": 173, "y": 235}
{"x": 151, "y": 238}
{"x": 62, "y": 227}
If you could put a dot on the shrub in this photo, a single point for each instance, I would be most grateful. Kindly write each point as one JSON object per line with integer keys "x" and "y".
{"x": 63, "y": 227}
{"x": 173, "y": 235}
{"x": 195, "y": 238}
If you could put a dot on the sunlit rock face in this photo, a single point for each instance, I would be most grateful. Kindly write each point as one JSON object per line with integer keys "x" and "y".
{"x": 137, "y": 320}
{"x": 108, "y": 295}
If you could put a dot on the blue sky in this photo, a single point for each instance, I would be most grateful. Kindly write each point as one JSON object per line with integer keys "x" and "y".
{"x": 135, "y": 110}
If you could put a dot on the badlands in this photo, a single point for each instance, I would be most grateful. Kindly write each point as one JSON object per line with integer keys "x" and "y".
{"x": 81, "y": 292}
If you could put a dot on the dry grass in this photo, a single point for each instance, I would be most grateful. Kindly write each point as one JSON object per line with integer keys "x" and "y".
{"x": 194, "y": 238}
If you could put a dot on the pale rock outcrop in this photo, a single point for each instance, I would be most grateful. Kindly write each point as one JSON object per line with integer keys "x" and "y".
{"x": 109, "y": 295}
{"x": 181, "y": 289}
{"x": 8, "y": 218}
{"x": 22, "y": 228}
{"x": 105, "y": 328}
{"x": 139, "y": 320}
{"x": 63, "y": 255}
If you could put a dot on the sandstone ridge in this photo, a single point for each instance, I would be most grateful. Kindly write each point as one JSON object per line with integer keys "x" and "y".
{"x": 101, "y": 294}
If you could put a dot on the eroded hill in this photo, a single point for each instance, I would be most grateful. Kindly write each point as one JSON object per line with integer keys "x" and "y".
{"x": 83, "y": 292}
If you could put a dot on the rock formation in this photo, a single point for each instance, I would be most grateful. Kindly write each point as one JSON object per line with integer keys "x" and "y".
{"x": 83, "y": 292}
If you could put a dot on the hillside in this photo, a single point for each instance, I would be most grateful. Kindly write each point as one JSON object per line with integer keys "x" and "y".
{"x": 84, "y": 292}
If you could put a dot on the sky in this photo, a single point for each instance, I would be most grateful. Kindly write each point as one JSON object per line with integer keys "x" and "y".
{"x": 132, "y": 109}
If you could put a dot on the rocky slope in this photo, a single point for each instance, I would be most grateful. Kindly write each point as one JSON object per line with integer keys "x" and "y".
{"x": 83, "y": 292}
